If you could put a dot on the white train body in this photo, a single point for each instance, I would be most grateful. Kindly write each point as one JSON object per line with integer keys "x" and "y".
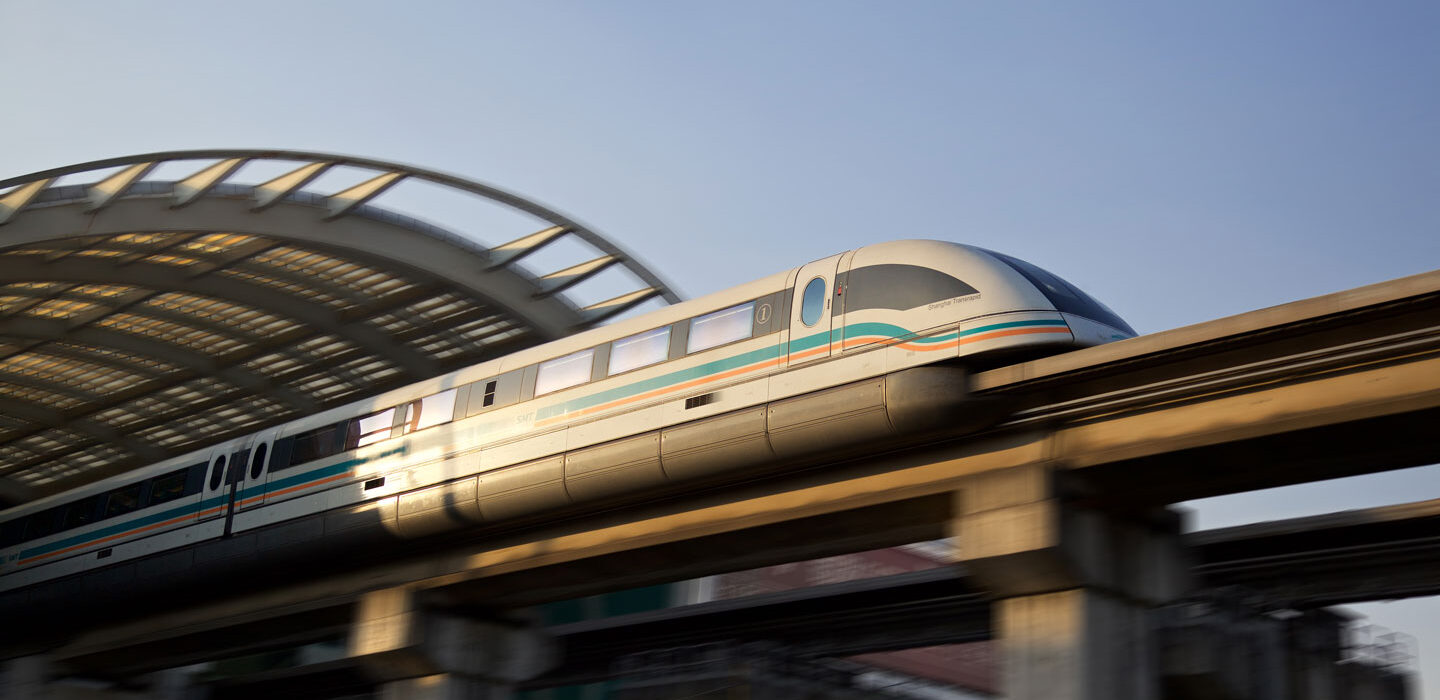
{"x": 746, "y": 378}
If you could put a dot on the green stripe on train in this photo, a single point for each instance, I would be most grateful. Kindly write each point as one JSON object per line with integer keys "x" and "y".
{"x": 814, "y": 340}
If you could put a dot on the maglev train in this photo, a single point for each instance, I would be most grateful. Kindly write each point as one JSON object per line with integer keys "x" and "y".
{"x": 856, "y": 350}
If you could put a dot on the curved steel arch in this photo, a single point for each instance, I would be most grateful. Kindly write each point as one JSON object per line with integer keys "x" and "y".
{"x": 133, "y": 310}
{"x": 316, "y": 163}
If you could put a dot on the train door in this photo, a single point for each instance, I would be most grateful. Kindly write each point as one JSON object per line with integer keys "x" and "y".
{"x": 250, "y": 491}
{"x": 811, "y": 310}
{"x": 216, "y": 499}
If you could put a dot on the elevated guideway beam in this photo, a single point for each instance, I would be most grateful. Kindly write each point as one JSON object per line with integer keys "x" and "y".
{"x": 1371, "y": 554}
{"x": 938, "y": 606}
{"x": 1353, "y": 556}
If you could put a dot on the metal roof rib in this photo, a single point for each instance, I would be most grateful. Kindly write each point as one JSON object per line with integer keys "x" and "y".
{"x": 132, "y": 309}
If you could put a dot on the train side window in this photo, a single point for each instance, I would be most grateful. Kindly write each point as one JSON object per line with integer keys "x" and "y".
{"x": 489, "y": 396}
{"x": 257, "y": 463}
{"x": 80, "y": 513}
{"x": 280, "y": 453}
{"x": 432, "y": 410}
{"x": 721, "y": 327}
{"x": 42, "y": 524}
{"x": 168, "y": 487}
{"x": 122, "y": 500}
{"x": 12, "y": 533}
{"x": 639, "y": 350}
{"x": 368, "y": 430}
{"x": 195, "y": 479}
{"x": 812, "y": 305}
{"x": 564, "y": 372}
{"x": 315, "y": 444}
{"x": 217, "y": 473}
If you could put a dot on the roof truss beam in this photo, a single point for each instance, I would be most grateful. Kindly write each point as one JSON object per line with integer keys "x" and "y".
{"x": 161, "y": 277}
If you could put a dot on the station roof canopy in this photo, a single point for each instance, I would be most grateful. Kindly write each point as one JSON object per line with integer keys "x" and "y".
{"x": 154, "y": 304}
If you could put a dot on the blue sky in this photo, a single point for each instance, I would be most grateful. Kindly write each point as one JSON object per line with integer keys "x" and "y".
{"x": 1181, "y": 161}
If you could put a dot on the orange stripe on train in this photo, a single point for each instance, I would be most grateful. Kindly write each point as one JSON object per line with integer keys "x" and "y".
{"x": 110, "y": 538}
{"x": 907, "y": 345}
{"x": 293, "y": 489}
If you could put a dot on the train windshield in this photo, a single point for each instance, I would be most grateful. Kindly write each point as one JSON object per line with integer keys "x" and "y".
{"x": 1065, "y": 296}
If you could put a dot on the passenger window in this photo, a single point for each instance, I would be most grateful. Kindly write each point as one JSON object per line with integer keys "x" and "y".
{"x": 370, "y": 429}
{"x": 721, "y": 327}
{"x": 280, "y": 452}
{"x": 315, "y": 444}
{"x": 168, "y": 487}
{"x": 489, "y": 397}
{"x": 431, "y": 410}
{"x": 12, "y": 533}
{"x": 42, "y": 524}
{"x": 122, "y": 501}
{"x": 565, "y": 372}
{"x": 639, "y": 350}
{"x": 77, "y": 514}
{"x": 813, "y": 305}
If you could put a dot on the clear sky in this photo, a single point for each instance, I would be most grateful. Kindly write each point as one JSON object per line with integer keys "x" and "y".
{"x": 1181, "y": 161}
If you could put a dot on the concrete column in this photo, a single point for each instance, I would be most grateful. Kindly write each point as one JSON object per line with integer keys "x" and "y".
{"x": 1220, "y": 649}
{"x": 1074, "y": 586}
{"x": 1316, "y": 641}
{"x": 1072, "y": 645}
{"x": 431, "y": 655}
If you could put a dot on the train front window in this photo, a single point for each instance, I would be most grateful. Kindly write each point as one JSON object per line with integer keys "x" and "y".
{"x": 1065, "y": 296}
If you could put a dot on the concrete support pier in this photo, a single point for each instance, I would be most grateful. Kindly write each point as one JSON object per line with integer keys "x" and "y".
{"x": 420, "y": 654}
{"x": 1073, "y": 586}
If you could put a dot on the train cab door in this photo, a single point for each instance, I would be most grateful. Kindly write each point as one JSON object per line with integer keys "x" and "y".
{"x": 812, "y": 306}
{"x": 250, "y": 491}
